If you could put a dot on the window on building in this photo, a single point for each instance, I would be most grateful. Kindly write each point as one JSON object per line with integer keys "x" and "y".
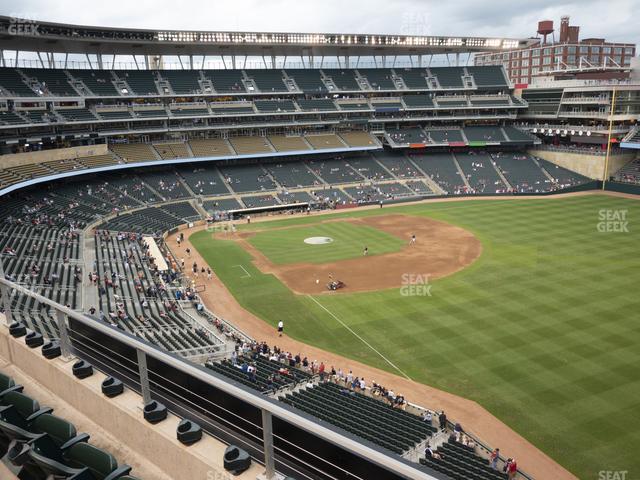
{"x": 524, "y": 63}
{"x": 628, "y": 51}
{"x": 535, "y": 61}
{"x": 547, "y": 51}
{"x": 571, "y": 50}
{"x": 571, "y": 60}
{"x": 525, "y": 54}
{"x": 617, "y": 51}
{"x": 584, "y": 50}
{"x": 546, "y": 61}
{"x": 606, "y": 50}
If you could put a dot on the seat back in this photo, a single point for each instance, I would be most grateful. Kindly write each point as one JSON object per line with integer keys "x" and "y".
{"x": 57, "y": 428}
{"x": 6, "y": 382}
{"x": 23, "y": 404}
{"x": 99, "y": 462}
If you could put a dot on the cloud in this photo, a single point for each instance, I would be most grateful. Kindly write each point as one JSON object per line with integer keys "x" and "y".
{"x": 612, "y": 19}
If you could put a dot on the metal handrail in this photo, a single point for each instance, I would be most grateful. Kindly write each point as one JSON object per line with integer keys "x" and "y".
{"x": 260, "y": 402}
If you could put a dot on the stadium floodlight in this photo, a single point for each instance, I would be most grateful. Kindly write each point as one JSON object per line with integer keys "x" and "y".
{"x": 564, "y": 132}
{"x": 535, "y": 130}
{"x": 557, "y": 131}
{"x": 573, "y": 132}
{"x": 580, "y": 132}
{"x": 589, "y": 133}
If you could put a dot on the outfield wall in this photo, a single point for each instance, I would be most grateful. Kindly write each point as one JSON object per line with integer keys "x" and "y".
{"x": 591, "y": 166}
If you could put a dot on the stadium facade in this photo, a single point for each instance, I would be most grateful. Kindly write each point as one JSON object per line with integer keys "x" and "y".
{"x": 90, "y": 149}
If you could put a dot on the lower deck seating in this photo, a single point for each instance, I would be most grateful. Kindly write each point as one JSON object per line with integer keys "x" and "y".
{"x": 397, "y": 164}
{"x": 369, "y": 418}
{"x": 267, "y": 376}
{"x": 563, "y": 177}
{"x": 152, "y": 221}
{"x": 480, "y": 173}
{"x": 522, "y": 173}
{"x": 460, "y": 462}
{"x": 442, "y": 170}
{"x": 182, "y": 210}
{"x": 203, "y": 180}
{"x": 292, "y": 174}
{"x": 630, "y": 173}
{"x": 254, "y": 201}
{"x": 248, "y": 178}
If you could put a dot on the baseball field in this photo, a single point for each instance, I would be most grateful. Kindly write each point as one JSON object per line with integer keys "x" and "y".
{"x": 538, "y": 319}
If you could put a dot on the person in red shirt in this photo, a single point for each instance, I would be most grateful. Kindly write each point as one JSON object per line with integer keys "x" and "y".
{"x": 321, "y": 371}
{"x": 512, "y": 470}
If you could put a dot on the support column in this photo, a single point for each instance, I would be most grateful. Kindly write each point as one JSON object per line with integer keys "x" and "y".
{"x": 267, "y": 438}
{"x": 144, "y": 377}
{"x": 65, "y": 344}
{"x": 6, "y": 301}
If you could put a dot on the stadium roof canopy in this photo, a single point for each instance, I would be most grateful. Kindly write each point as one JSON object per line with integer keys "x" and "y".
{"x": 36, "y": 36}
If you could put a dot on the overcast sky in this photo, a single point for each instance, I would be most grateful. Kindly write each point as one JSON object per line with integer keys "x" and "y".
{"x": 615, "y": 20}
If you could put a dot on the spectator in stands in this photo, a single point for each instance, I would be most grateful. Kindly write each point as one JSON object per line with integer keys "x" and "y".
{"x": 457, "y": 430}
{"x": 442, "y": 420}
{"x": 427, "y": 417}
{"x": 430, "y": 452}
{"x": 494, "y": 457}
{"x": 512, "y": 469}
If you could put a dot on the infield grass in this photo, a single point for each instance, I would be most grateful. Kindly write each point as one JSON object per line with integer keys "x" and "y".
{"x": 543, "y": 330}
{"x": 349, "y": 240}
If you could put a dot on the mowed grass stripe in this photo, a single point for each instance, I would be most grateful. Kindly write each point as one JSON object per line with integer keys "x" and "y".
{"x": 543, "y": 330}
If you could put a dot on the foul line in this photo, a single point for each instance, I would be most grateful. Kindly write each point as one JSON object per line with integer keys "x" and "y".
{"x": 245, "y": 271}
{"x": 360, "y": 338}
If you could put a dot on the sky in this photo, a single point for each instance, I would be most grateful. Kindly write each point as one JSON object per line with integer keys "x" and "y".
{"x": 613, "y": 19}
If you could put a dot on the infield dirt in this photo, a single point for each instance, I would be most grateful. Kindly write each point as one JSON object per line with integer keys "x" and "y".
{"x": 440, "y": 250}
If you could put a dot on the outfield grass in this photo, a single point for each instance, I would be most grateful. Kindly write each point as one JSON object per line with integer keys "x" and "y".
{"x": 349, "y": 240}
{"x": 543, "y": 330}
